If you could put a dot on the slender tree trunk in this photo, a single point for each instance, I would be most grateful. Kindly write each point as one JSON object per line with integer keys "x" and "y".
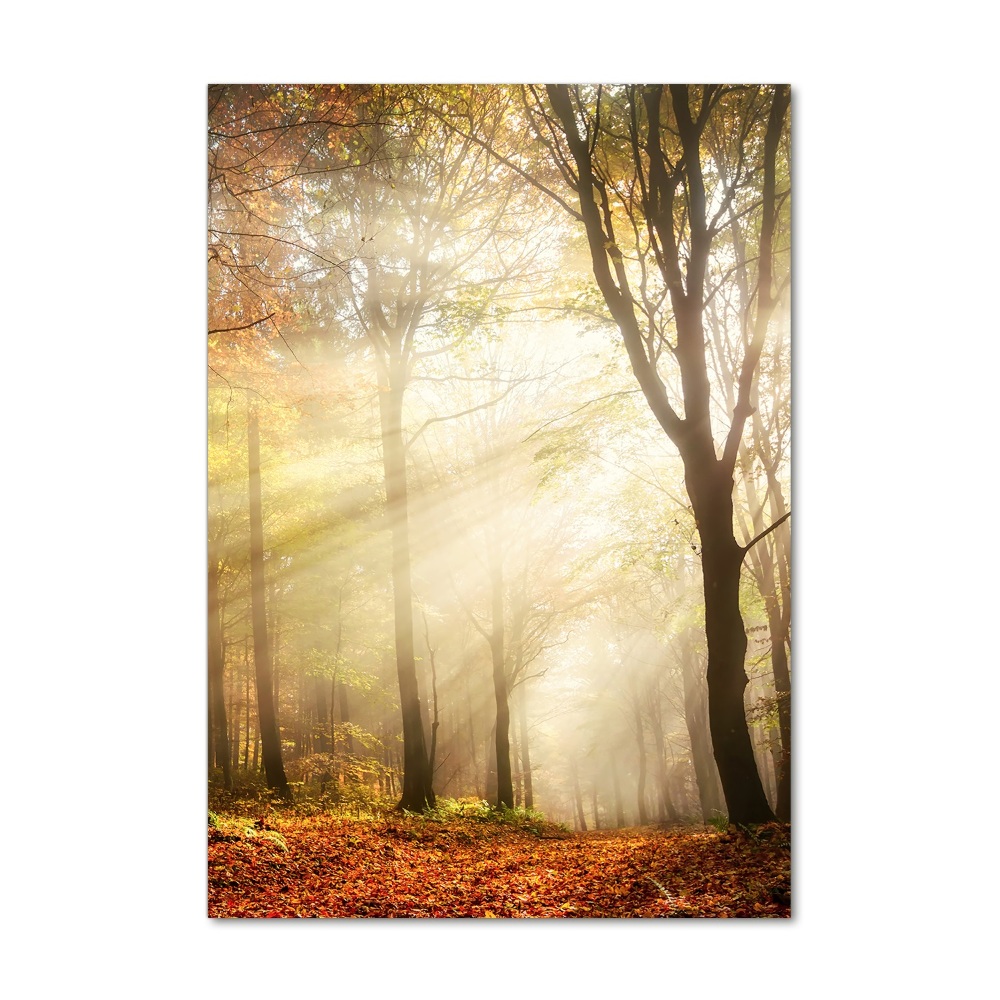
{"x": 779, "y": 621}
{"x": 273, "y": 766}
{"x": 522, "y": 703}
{"x": 345, "y": 716}
{"x": 666, "y": 809}
{"x": 619, "y": 808}
{"x": 763, "y": 563}
{"x": 641, "y": 789}
{"x": 418, "y": 794}
{"x": 593, "y": 802}
{"x": 473, "y": 756}
{"x": 696, "y": 719}
{"x": 505, "y": 787}
{"x": 322, "y": 716}
{"x": 234, "y": 714}
{"x": 515, "y": 766}
{"x": 491, "y": 766}
{"x": 216, "y": 671}
{"x": 435, "y": 721}
{"x": 246, "y": 704}
{"x": 275, "y": 645}
{"x": 581, "y": 819}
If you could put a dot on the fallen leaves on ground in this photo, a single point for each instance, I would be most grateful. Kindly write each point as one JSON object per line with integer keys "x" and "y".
{"x": 406, "y": 866}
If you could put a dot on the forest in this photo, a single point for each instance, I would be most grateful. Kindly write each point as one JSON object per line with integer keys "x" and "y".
{"x": 498, "y": 500}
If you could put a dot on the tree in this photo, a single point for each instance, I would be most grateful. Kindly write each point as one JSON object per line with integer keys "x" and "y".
{"x": 270, "y": 740}
{"x": 426, "y": 210}
{"x": 448, "y": 419}
{"x": 216, "y": 669}
{"x": 637, "y": 162}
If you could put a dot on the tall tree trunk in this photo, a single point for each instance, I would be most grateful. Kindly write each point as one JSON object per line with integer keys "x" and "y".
{"x": 491, "y": 766}
{"x": 522, "y": 704}
{"x": 274, "y": 644}
{"x": 234, "y": 714}
{"x": 274, "y": 768}
{"x": 619, "y": 807}
{"x": 696, "y": 720}
{"x": 666, "y": 809}
{"x": 418, "y": 794}
{"x": 779, "y": 621}
{"x": 473, "y": 756}
{"x": 708, "y": 478}
{"x": 322, "y": 717}
{"x": 505, "y": 786}
{"x": 345, "y": 716}
{"x": 593, "y": 801}
{"x": 435, "y": 721}
{"x": 515, "y": 766}
{"x": 216, "y": 671}
{"x": 765, "y": 562}
{"x": 581, "y": 819}
{"x": 246, "y": 705}
{"x": 721, "y": 560}
{"x": 641, "y": 742}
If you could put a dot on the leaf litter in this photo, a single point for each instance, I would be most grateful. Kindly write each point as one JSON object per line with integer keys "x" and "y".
{"x": 408, "y": 866}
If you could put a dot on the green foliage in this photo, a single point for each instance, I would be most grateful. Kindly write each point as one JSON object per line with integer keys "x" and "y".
{"x": 719, "y": 820}
{"x": 528, "y": 820}
{"x": 467, "y": 808}
{"x": 765, "y": 711}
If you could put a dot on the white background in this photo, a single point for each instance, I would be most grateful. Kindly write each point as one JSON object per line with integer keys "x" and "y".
{"x": 103, "y": 548}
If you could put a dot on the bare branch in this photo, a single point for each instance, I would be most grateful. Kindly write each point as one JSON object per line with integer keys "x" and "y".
{"x": 245, "y": 326}
{"x": 753, "y": 541}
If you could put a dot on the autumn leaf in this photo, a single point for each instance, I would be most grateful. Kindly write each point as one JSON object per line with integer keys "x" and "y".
{"x": 409, "y": 867}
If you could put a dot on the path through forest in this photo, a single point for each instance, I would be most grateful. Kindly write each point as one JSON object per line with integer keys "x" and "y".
{"x": 403, "y": 866}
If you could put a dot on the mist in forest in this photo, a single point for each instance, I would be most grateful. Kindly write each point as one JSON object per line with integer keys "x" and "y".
{"x": 453, "y": 553}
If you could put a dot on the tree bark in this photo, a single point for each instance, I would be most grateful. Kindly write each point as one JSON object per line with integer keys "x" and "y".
{"x": 709, "y": 479}
{"x": 234, "y": 748}
{"x": 721, "y": 560}
{"x": 667, "y": 810}
{"x": 216, "y": 671}
{"x": 246, "y": 705}
{"x": 522, "y": 704}
{"x": 696, "y": 719}
{"x": 418, "y": 794}
{"x": 491, "y": 766}
{"x": 274, "y": 768}
{"x": 345, "y": 716}
{"x": 322, "y": 716}
{"x": 435, "y": 720}
{"x": 619, "y": 808}
{"x": 641, "y": 788}
{"x": 505, "y": 786}
{"x": 581, "y": 819}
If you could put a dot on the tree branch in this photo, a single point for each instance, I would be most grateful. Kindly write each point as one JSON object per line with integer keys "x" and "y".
{"x": 753, "y": 541}
{"x": 245, "y": 326}
{"x": 461, "y": 413}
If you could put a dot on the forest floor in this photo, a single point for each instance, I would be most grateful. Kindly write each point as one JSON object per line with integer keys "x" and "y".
{"x": 287, "y": 865}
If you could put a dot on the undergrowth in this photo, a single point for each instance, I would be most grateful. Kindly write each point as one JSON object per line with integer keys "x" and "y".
{"x": 248, "y": 807}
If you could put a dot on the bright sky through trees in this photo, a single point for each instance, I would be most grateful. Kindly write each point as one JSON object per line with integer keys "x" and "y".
{"x": 482, "y": 568}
